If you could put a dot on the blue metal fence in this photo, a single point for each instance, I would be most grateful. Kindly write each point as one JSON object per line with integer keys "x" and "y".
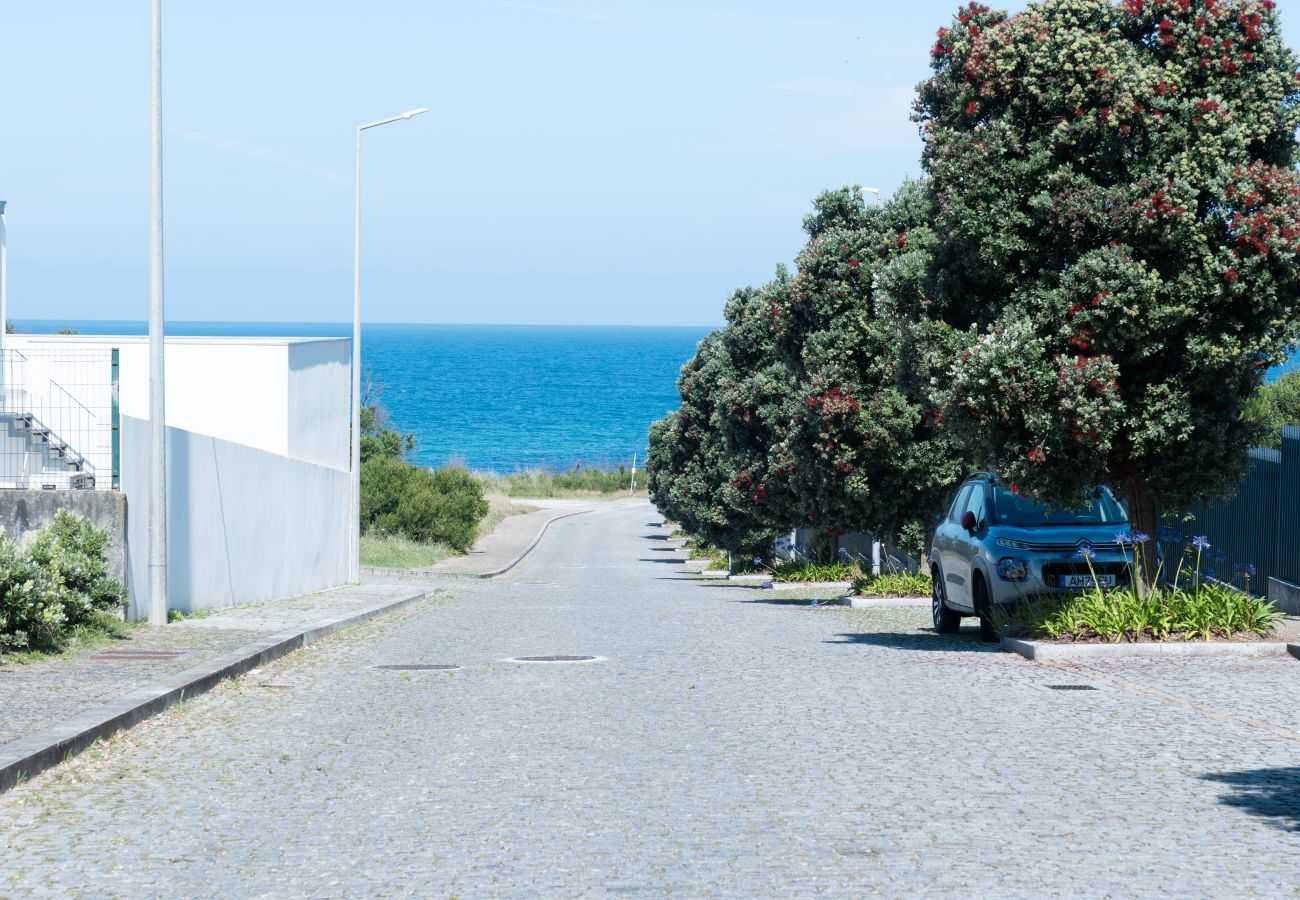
{"x": 1259, "y": 526}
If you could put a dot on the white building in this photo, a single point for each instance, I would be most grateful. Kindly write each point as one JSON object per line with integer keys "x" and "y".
{"x": 257, "y": 454}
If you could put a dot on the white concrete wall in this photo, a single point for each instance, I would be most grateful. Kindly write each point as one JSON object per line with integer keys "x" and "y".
{"x": 244, "y": 525}
{"x": 319, "y": 408}
{"x": 283, "y": 395}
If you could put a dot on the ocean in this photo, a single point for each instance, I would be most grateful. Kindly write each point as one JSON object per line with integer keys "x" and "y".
{"x": 498, "y": 397}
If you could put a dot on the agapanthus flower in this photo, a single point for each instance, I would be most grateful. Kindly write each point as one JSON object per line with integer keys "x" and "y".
{"x": 1086, "y": 552}
{"x": 1123, "y": 537}
{"x": 1200, "y": 542}
{"x": 1141, "y": 537}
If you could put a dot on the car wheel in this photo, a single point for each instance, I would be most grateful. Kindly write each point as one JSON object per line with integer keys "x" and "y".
{"x": 984, "y": 609}
{"x": 946, "y": 621}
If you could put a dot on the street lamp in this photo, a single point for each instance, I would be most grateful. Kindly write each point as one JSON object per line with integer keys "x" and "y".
{"x": 4, "y": 279}
{"x": 355, "y": 559}
{"x": 157, "y": 404}
{"x": 875, "y": 191}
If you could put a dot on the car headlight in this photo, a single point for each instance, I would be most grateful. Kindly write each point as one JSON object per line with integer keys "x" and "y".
{"x": 1013, "y": 568}
{"x": 1012, "y": 545}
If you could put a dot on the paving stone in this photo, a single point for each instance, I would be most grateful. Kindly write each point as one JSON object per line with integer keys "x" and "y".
{"x": 727, "y": 745}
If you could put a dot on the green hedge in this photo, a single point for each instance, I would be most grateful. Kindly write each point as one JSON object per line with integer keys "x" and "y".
{"x": 56, "y": 583}
{"x": 442, "y": 506}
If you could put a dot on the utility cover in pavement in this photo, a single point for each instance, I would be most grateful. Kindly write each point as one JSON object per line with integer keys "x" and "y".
{"x": 1071, "y": 687}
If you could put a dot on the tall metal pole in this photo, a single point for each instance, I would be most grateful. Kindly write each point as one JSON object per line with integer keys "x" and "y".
{"x": 157, "y": 405}
{"x": 4, "y": 278}
{"x": 354, "y": 555}
{"x": 354, "y": 505}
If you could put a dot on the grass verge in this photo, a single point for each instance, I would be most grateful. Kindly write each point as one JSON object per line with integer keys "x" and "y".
{"x": 580, "y": 481}
{"x": 893, "y": 584}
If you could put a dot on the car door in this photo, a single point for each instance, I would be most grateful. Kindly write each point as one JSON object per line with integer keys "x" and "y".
{"x": 946, "y": 542}
{"x": 966, "y": 547}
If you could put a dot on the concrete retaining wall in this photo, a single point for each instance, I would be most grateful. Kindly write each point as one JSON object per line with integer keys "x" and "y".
{"x": 243, "y": 525}
{"x": 23, "y": 513}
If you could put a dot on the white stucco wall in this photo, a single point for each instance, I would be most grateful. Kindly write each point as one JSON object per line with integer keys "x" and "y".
{"x": 289, "y": 396}
{"x": 244, "y": 525}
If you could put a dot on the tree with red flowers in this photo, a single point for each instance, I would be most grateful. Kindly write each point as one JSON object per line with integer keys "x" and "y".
{"x": 1116, "y": 187}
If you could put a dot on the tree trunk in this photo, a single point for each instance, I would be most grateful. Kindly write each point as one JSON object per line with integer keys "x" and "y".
{"x": 1142, "y": 518}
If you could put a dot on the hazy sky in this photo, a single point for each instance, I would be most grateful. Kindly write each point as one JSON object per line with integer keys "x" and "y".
{"x": 585, "y": 162}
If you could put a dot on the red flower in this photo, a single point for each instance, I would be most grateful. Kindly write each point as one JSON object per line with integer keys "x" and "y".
{"x": 1037, "y": 455}
{"x": 853, "y": 264}
{"x": 1230, "y": 276}
{"x": 971, "y": 109}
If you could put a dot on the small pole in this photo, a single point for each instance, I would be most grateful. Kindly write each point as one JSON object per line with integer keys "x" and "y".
{"x": 632, "y": 493}
{"x": 157, "y": 372}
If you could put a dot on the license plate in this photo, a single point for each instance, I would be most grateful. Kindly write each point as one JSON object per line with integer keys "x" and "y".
{"x": 1087, "y": 581}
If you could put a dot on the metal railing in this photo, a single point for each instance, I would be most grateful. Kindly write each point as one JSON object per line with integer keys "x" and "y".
{"x": 58, "y": 419}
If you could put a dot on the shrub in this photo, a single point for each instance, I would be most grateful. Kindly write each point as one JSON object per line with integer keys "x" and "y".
{"x": 1212, "y": 610}
{"x": 894, "y": 584}
{"x": 59, "y": 582}
{"x": 1275, "y": 405}
{"x": 578, "y": 480}
{"x": 430, "y": 506}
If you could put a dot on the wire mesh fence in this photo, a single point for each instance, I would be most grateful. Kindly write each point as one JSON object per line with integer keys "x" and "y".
{"x": 58, "y": 419}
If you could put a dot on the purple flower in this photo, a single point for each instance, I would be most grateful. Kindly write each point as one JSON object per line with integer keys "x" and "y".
{"x": 758, "y": 560}
{"x": 1086, "y": 552}
{"x": 1122, "y": 538}
{"x": 1141, "y": 537}
{"x": 1200, "y": 542}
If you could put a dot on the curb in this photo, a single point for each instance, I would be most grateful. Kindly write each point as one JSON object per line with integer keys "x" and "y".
{"x": 753, "y": 581}
{"x": 1047, "y": 651}
{"x": 44, "y": 749}
{"x": 885, "y": 602}
{"x": 432, "y": 573}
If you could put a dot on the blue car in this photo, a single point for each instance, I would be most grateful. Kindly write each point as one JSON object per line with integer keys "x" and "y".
{"x": 996, "y": 546}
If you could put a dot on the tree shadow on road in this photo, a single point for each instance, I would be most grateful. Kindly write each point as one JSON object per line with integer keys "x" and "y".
{"x": 663, "y": 549}
{"x": 655, "y": 537}
{"x": 965, "y": 641}
{"x": 1268, "y": 793}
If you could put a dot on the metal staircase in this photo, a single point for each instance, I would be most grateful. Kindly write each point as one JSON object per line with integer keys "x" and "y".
{"x": 57, "y": 466}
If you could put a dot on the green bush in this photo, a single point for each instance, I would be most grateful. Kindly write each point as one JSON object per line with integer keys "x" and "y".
{"x": 580, "y": 479}
{"x": 54, "y": 585}
{"x": 430, "y": 506}
{"x": 893, "y": 584}
{"x": 1273, "y": 406}
{"x": 1207, "y": 611}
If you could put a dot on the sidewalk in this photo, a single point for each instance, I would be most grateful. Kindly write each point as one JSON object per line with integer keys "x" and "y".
{"x": 496, "y": 553}
{"x": 58, "y": 706}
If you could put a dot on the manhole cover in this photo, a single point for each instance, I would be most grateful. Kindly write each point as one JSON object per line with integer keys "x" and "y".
{"x": 1070, "y": 687}
{"x": 138, "y": 654}
{"x": 417, "y": 667}
{"x": 554, "y": 659}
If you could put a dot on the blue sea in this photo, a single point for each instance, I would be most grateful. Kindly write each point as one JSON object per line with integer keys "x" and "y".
{"x": 498, "y": 397}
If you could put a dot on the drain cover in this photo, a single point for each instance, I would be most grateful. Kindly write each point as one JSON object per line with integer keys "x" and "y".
{"x": 1070, "y": 687}
{"x": 554, "y": 658}
{"x": 417, "y": 667}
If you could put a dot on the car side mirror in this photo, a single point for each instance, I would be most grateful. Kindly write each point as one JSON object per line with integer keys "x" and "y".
{"x": 968, "y": 520}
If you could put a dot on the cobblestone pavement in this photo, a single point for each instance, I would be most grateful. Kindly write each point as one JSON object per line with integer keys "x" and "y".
{"x": 35, "y": 695}
{"x": 728, "y": 743}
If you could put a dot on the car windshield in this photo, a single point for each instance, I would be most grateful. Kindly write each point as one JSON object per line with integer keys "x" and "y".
{"x": 1016, "y": 509}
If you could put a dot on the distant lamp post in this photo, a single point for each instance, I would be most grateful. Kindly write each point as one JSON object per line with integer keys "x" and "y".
{"x": 4, "y": 278}
{"x": 157, "y": 371}
{"x": 874, "y": 191}
{"x": 354, "y": 573}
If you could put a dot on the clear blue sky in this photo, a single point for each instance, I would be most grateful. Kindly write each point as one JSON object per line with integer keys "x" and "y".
{"x": 585, "y": 162}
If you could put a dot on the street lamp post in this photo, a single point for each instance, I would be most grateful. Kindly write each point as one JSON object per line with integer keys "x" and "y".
{"x": 873, "y": 191}
{"x": 4, "y": 278}
{"x": 157, "y": 405}
{"x": 354, "y": 573}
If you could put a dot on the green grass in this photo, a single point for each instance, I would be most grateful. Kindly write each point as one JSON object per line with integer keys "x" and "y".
{"x": 893, "y": 584}
{"x": 1208, "y": 611}
{"x": 810, "y": 571}
{"x": 175, "y": 615}
{"x": 101, "y": 628}
{"x": 390, "y": 552}
{"x": 580, "y": 481}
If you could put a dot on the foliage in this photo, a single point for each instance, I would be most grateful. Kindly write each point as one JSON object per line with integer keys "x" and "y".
{"x": 396, "y": 552}
{"x": 67, "y": 331}
{"x": 55, "y": 585}
{"x": 810, "y": 408}
{"x": 378, "y": 437}
{"x": 1273, "y": 406}
{"x": 428, "y": 506}
{"x": 576, "y": 482}
{"x": 1212, "y": 611}
{"x": 812, "y": 571}
{"x": 1124, "y": 267}
{"x": 894, "y": 584}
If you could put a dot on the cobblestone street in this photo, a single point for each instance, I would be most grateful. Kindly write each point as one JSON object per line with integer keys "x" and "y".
{"x": 725, "y": 742}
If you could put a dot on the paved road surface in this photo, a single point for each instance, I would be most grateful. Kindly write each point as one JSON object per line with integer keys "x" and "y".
{"x": 724, "y": 746}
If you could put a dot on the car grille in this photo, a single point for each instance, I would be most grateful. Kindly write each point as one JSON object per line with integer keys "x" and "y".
{"x": 1037, "y": 547}
{"x": 1052, "y": 571}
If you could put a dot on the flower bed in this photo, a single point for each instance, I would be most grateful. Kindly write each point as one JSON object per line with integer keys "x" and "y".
{"x": 893, "y": 585}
